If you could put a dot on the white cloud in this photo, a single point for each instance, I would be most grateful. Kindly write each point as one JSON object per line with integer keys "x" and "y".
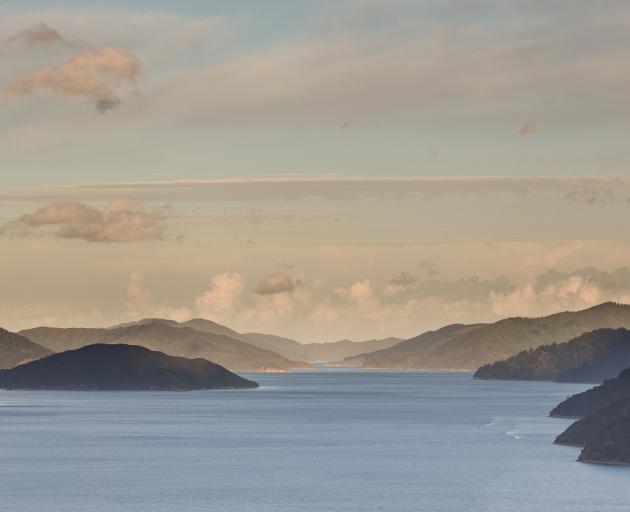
{"x": 358, "y": 292}
{"x": 223, "y": 297}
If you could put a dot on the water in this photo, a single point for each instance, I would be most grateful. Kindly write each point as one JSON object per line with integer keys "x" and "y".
{"x": 310, "y": 441}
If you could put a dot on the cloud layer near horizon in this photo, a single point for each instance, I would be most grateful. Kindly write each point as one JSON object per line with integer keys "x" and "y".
{"x": 574, "y": 189}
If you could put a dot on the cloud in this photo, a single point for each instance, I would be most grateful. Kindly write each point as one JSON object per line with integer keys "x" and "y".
{"x": 42, "y": 35}
{"x": 93, "y": 74}
{"x": 275, "y": 284}
{"x": 359, "y": 292}
{"x": 429, "y": 268}
{"x": 224, "y": 295}
{"x": 334, "y": 187}
{"x": 399, "y": 284}
{"x": 556, "y": 291}
{"x": 591, "y": 195}
{"x": 122, "y": 221}
{"x": 141, "y": 303}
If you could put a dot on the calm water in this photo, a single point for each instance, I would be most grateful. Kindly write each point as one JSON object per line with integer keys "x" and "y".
{"x": 309, "y": 441}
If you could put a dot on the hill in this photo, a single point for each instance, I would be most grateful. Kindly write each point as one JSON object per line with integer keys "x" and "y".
{"x": 120, "y": 367}
{"x": 174, "y": 340}
{"x": 16, "y": 349}
{"x": 610, "y": 440}
{"x": 591, "y": 357}
{"x": 409, "y": 353}
{"x": 604, "y": 431}
{"x": 460, "y": 347}
{"x": 286, "y": 346}
{"x": 588, "y": 402}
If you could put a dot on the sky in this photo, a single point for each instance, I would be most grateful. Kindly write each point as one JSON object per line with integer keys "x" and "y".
{"x": 320, "y": 170}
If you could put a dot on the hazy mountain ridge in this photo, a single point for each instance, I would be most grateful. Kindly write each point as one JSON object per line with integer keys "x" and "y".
{"x": 591, "y": 357}
{"x": 16, "y": 349}
{"x": 404, "y": 350}
{"x": 120, "y": 367}
{"x": 173, "y": 340}
{"x": 338, "y": 351}
{"x": 477, "y": 345}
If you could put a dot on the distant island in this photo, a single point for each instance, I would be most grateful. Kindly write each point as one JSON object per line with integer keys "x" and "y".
{"x": 591, "y": 357}
{"x": 120, "y": 367}
{"x": 604, "y": 428}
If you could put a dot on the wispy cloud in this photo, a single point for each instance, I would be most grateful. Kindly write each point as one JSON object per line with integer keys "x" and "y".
{"x": 42, "y": 35}
{"x": 332, "y": 187}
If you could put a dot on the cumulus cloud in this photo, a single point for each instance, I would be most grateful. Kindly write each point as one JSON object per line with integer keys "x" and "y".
{"x": 222, "y": 298}
{"x": 42, "y": 35}
{"x": 359, "y": 292}
{"x": 93, "y": 74}
{"x": 123, "y": 221}
{"x": 554, "y": 290}
{"x": 275, "y": 284}
{"x": 141, "y": 303}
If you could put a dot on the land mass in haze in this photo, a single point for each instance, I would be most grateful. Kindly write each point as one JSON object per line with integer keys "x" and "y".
{"x": 287, "y": 347}
{"x": 120, "y": 367}
{"x": 591, "y": 357}
{"x": 16, "y": 349}
{"x": 468, "y": 347}
{"x": 319, "y": 352}
{"x": 588, "y": 402}
{"x": 175, "y": 340}
{"x": 604, "y": 428}
{"x": 250, "y": 351}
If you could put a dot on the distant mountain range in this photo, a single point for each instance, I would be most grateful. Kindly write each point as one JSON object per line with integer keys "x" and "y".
{"x": 604, "y": 430}
{"x": 591, "y": 357}
{"x": 120, "y": 367}
{"x": 16, "y": 349}
{"x": 454, "y": 347}
{"x": 319, "y": 352}
{"x": 468, "y": 347}
{"x": 176, "y": 340}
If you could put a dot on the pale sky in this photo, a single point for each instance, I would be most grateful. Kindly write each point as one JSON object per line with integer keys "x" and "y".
{"x": 320, "y": 170}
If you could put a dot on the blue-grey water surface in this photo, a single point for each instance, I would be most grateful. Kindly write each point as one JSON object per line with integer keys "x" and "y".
{"x": 322, "y": 440}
